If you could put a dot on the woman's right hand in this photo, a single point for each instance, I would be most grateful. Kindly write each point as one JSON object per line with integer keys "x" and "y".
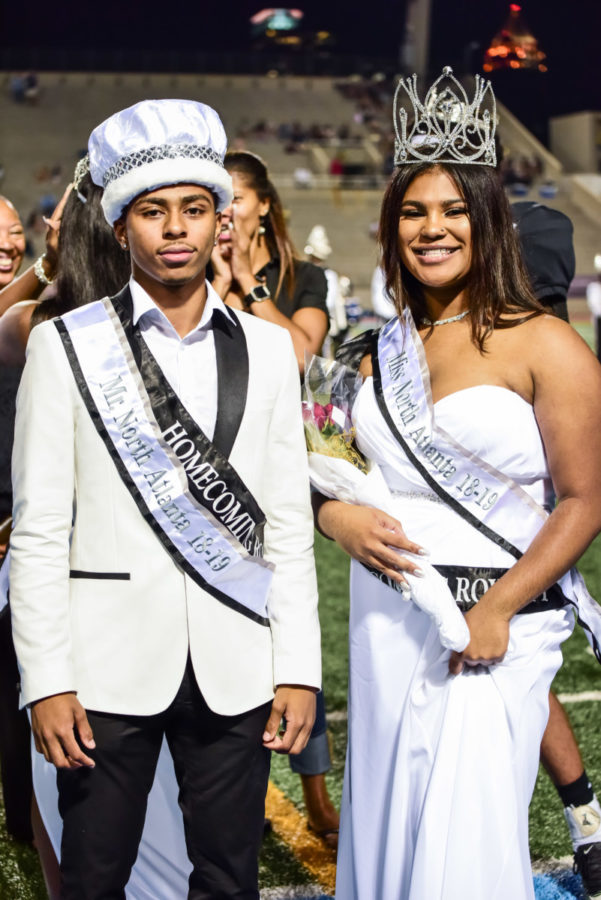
{"x": 489, "y": 637}
{"x": 370, "y": 536}
{"x": 222, "y": 269}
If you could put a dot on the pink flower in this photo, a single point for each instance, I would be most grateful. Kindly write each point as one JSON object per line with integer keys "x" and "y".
{"x": 322, "y": 415}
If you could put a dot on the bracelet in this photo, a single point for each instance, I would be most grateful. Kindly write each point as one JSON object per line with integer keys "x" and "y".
{"x": 38, "y": 271}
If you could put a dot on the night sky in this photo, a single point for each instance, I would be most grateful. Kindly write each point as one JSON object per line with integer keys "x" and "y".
{"x": 569, "y": 32}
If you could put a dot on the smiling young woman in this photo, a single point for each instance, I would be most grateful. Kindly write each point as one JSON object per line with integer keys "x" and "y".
{"x": 468, "y": 213}
{"x": 435, "y": 237}
{"x": 484, "y": 416}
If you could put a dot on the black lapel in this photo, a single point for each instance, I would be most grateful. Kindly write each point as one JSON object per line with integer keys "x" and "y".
{"x": 124, "y": 299}
{"x": 232, "y": 370}
{"x": 232, "y": 379}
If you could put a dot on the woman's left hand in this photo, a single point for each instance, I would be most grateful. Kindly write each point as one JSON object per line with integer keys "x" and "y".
{"x": 489, "y": 638}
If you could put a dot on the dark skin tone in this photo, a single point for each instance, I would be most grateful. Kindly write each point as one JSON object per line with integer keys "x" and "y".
{"x": 170, "y": 233}
{"x": 27, "y": 286}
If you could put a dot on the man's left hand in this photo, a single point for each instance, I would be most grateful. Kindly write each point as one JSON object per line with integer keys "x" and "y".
{"x": 296, "y": 705}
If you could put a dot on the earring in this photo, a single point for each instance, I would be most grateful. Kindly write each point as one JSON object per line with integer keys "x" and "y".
{"x": 124, "y": 244}
{"x": 261, "y": 229}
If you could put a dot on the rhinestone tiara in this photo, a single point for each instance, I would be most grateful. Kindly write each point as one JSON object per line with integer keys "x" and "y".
{"x": 81, "y": 170}
{"x": 446, "y": 127}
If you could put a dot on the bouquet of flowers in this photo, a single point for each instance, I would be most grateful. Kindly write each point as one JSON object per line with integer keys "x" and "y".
{"x": 338, "y": 470}
{"x": 329, "y": 393}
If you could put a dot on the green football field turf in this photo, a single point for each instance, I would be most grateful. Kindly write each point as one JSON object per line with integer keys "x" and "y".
{"x": 19, "y": 874}
{"x": 20, "y": 877}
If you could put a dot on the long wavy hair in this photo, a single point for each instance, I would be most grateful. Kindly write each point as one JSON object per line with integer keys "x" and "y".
{"x": 91, "y": 264}
{"x": 254, "y": 171}
{"x": 498, "y": 283}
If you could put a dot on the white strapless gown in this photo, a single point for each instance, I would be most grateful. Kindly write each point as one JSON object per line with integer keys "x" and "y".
{"x": 440, "y": 769}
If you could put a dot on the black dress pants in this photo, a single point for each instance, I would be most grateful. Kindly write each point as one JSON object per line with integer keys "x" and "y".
{"x": 15, "y": 740}
{"x": 222, "y": 771}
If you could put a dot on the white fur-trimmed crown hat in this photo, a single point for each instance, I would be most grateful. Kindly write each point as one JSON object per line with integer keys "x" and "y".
{"x": 157, "y": 143}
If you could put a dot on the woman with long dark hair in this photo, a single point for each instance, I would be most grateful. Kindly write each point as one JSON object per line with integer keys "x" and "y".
{"x": 255, "y": 265}
{"x": 256, "y": 269}
{"x": 91, "y": 263}
{"x": 484, "y": 415}
{"x": 87, "y": 263}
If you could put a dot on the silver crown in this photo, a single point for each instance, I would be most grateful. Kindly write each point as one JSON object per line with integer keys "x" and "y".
{"x": 446, "y": 127}
{"x": 81, "y": 170}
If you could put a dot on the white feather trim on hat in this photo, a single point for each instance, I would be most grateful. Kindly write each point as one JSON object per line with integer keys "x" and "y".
{"x": 161, "y": 173}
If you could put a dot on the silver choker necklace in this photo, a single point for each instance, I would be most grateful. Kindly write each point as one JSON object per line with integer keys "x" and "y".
{"x": 447, "y": 321}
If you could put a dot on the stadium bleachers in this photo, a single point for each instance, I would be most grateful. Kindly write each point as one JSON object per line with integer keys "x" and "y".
{"x": 52, "y": 132}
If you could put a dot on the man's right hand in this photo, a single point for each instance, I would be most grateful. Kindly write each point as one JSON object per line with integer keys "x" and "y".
{"x": 55, "y": 721}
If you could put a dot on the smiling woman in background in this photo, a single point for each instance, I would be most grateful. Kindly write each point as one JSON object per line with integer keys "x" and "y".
{"x": 12, "y": 242}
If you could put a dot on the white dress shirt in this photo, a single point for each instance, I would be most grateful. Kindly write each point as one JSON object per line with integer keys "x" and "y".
{"x": 189, "y": 363}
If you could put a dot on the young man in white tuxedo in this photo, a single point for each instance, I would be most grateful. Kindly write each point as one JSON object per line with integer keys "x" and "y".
{"x": 162, "y": 576}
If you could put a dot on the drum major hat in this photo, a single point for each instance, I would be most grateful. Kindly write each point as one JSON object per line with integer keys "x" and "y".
{"x": 157, "y": 143}
{"x": 318, "y": 244}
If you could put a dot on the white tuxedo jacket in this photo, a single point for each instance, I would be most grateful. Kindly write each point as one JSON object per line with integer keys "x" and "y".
{"x": 119, "y": 633}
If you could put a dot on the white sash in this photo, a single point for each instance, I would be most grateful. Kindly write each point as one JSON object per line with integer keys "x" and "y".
{"x": 4, "y": 580}
{"x": 490, "y": 500}
{"x": 153, "y": 473}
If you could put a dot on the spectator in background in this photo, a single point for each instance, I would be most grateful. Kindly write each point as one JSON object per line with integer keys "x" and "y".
{"x": 336, "y": 165}
{"x": 255, "y": 266}
{"x": 15, "y": 769}
{"x": 303, "y": 178}
{"x": 84, "y": 234}
{"x": 546, "y": 238}
{"x": 593, "y": 299}
{"x": 12, "y": 242}
{"x": 318, "y": 249}
{"x": 17, "y": 88}
{"x": 31, "y": 89}
{"x": 256, "y": 269}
